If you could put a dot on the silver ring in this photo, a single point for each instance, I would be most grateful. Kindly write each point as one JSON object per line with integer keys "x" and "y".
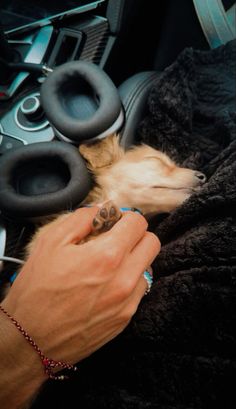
{"x": 149, "y": 279}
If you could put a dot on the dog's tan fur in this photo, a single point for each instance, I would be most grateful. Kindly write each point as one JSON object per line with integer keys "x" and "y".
{"x": 140, "y": 177}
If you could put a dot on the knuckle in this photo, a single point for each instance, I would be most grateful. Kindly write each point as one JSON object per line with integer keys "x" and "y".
{"x": 126, "y": 289}
{"x": 122, "y": 292}
{"x": 137, "y": 217}
{"x": 155, "y": 240}
{"x": 111, "y": 257}
{"x": 125, "y": 317}
{"x": 128, "y": 312}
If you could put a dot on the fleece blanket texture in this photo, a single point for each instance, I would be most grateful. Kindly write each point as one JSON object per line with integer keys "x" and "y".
{"x": 179, "y": 351}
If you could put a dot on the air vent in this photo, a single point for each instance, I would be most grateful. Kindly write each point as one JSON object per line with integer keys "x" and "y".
{"x": 96, "y": 33}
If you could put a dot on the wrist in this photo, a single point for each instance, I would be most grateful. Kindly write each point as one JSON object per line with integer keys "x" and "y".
{"x": 49, "y": 364}
{"x": 21, "y": 370}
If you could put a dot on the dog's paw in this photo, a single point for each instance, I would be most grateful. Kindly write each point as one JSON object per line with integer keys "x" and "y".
{"x": 106, "y": 217}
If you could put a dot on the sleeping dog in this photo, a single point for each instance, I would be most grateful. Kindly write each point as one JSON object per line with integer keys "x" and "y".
{"x": 141, "y": 177}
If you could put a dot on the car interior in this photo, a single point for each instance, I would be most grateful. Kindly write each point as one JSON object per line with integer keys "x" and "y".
{"x": 75, "y": 71}
{"x": 99, "y": 34}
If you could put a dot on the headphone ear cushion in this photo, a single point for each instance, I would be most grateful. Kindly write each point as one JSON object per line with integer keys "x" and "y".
{"x": 81, "y": 102}
{"x": 42, "y": 179}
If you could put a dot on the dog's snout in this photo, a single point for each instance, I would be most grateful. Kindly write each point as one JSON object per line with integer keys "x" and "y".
{"x": 201, "y": 177}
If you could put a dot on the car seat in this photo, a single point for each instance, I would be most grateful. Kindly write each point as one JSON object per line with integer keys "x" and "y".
{"x": 217, "y": 22}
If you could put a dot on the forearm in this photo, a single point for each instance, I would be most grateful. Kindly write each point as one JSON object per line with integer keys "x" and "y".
{"x": 21, "y": 373}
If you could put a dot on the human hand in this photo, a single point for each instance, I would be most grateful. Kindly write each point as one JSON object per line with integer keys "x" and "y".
{"x": 73, "y": 298}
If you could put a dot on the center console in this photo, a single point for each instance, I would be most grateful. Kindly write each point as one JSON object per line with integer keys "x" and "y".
{"x": 79, "y": 33}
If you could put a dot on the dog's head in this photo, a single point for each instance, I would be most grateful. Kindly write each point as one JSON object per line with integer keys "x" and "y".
{"x": 141, "y": 177}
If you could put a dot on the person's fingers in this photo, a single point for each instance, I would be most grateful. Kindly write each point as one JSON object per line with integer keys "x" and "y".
{"x": 145, "y": 251}
{"x": 127, "y": 232}
{"x": 75, "y": 226}
{"x": 140, "y": 259}
{"x": 125, "y": 279}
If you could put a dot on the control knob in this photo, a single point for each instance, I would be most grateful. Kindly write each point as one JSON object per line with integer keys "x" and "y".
{"x": 31, "y": 108}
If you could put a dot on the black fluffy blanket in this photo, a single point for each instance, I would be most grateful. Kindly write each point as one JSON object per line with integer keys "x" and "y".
{"x": 179, "y": 352}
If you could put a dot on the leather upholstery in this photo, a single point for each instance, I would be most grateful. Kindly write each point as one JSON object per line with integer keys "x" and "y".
{"x": 134, "y": 93}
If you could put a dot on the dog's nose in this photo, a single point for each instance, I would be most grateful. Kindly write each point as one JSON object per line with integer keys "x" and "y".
{"x": 201, "y": 177}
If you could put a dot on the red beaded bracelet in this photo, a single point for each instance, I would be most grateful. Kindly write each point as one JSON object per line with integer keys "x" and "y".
{"x": 48, "y": 364}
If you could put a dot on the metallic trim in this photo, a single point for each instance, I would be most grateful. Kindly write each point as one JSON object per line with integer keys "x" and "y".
{"x": 25, "y": 128}
{"x": 48, "y": 20}
{"x": 15, "y": 137}
{"x": 35, "y": 55}
{"x": 31, "y": 110}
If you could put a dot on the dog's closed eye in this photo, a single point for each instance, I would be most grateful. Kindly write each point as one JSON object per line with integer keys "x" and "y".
{"x": 163, "y": 160}
{"x": 153, "y": 157}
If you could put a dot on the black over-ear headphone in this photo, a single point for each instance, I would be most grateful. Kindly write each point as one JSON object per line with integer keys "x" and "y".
{"x": 81, "y": 104}
{"x": 42, "y": 179}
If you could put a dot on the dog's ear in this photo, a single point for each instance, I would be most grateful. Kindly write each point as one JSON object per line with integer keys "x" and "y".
{"x": 102, "y": 153}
